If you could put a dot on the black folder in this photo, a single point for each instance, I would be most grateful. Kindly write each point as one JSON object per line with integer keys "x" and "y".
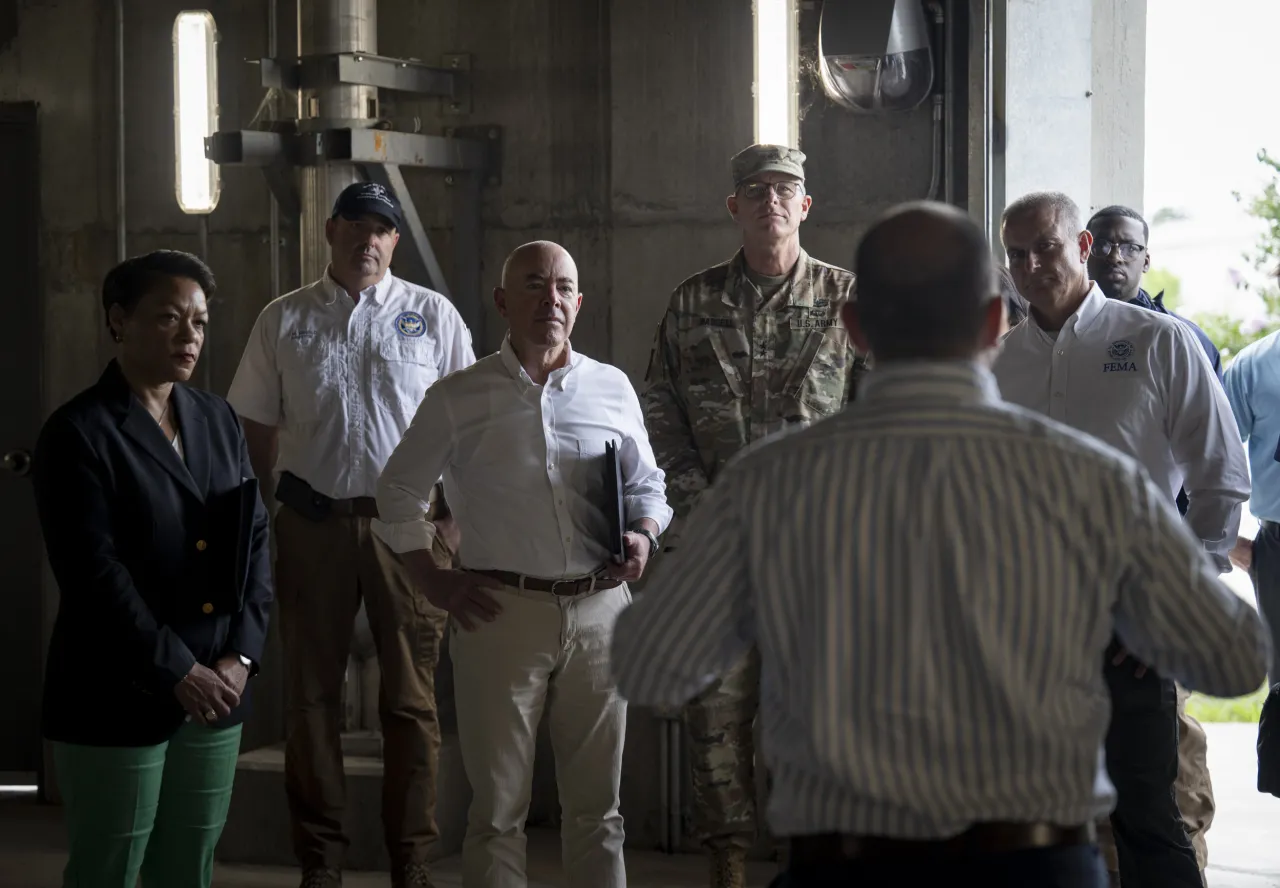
{"x": 615, "y": 505}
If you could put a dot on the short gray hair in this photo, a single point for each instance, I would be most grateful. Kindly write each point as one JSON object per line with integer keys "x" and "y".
{"x": 1064, "y": 208}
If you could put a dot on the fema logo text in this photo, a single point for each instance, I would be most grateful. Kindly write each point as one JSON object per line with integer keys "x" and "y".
{"x": 1120, "y": 351}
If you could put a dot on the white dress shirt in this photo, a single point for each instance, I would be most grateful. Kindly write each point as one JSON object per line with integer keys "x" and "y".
{"x": 1139, "y": 381}
{"x": 341, "y": 380}
{"x": 523, "y": 466}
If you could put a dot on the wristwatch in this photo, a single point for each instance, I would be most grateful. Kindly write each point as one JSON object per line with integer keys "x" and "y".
{"x": 248, "y": 664}
{"x": 653, "y": 540}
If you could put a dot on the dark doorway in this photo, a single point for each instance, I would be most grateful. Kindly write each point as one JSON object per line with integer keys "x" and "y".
{"x": 21, "y": 413}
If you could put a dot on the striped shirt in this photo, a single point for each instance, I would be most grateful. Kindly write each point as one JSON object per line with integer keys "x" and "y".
{"x": 932, "y": 578}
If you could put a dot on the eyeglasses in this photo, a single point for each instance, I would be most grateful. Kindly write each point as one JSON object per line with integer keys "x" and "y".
{"x": 1128, "y": 251}
{"x": 759, "y": 190}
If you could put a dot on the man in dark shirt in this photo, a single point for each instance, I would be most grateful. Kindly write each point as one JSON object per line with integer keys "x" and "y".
{"x": 1117, "y": 261}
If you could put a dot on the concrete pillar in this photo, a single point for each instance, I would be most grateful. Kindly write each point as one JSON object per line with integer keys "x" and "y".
{"x": 1074, "y": 82}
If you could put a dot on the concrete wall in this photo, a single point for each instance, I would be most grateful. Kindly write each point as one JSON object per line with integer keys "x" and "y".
{"x": 619, "y": 119}
{"x": 1074, "y": 99}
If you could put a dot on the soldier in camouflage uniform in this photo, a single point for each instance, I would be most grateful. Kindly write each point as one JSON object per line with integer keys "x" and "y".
{"x": 746, "y": 349}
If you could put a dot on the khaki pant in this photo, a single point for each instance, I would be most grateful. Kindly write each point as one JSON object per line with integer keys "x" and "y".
{"x": 1194, "y": 790}
{"x": 722, "y": 757}
{"x": 322, "y": 570}
{"x": 542, "y": 652}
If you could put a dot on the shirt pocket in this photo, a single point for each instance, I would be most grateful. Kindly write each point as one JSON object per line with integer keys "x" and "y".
{"x": 710, "y": 372}
{"x": 405, "y": 370}
{"x": 310, "y": 378}
{"x": 819, "y": 379}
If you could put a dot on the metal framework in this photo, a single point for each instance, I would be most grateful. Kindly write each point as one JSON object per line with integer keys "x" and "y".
{"x": 471, "y": 155}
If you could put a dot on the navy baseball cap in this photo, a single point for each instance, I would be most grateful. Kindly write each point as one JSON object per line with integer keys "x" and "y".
{"x": 368, "y": 197}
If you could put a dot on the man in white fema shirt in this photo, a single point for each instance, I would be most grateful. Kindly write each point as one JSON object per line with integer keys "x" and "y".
{"x": 329, "y": 382}
{"x": 1139, "y": 381}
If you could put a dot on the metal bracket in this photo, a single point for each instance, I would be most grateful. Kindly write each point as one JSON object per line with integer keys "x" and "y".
{"x": 363, "y": 69}
{"x": 280, "y": 180}
{"x": 427, "y": 266}
{"x": 491, "y": 137}
{"x": 459, "y": 103}
{"x": 458, "y": 153}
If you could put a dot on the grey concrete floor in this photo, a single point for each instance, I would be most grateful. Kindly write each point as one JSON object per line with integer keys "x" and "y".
{"x": 1244, "y": 842}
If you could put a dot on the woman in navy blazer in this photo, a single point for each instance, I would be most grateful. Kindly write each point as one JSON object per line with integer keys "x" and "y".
{"x": 157, "y": 537}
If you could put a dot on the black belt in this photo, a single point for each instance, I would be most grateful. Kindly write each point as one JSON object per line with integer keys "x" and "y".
{"x": 304, "y": 499}
{"x": 555, "y": 587}
{"x": 982, "y": 838}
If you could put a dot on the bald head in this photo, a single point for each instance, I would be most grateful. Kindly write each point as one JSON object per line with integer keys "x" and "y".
{"x": 925, "y": 284}
{"x": 536, "y": 254}
{"x": 539, "y": 294}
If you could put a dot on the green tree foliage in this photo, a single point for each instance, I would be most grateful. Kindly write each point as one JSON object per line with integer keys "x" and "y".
{"x": 1161, "y": 280}
{"x": 1232, "y": 334}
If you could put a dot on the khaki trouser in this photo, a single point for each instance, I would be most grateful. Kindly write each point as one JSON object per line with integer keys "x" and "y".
{"x": 542, "y": 651}
{"x": 322, "y": 570}
{"x": 722, "y": 757}
{"x": 1194, "y": 790}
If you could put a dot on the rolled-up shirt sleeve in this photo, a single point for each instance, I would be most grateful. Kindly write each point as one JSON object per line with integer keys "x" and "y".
{"x": 644, "y": 484}
{"x": 417, "y": 463}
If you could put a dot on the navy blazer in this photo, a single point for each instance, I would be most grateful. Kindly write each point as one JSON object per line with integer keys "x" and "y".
{"x": 160, "y": 564}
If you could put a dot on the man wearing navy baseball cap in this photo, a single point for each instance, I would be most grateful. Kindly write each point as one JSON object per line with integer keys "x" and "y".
{"x": 328, "y": 384}
{"x": 369, "y": 199}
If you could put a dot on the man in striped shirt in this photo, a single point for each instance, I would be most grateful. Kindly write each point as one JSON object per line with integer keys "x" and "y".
{"x": 932, "y": 598}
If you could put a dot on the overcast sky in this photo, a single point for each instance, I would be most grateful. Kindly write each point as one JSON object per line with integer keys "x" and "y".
{"x": 1209, "y": 108}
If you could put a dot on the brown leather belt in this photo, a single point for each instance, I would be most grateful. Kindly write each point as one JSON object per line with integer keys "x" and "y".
{"x": 982, "y": 838}
{"x": 360, "y": 507}
{"x": 555, "y": 587}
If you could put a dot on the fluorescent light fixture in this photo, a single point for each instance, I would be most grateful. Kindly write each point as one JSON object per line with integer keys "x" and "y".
{"x": 195, "y": 110}
{"x": 776, "y": 55}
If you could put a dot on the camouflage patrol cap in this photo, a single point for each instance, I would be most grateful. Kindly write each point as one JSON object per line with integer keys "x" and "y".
{"x": 767, "y": 158}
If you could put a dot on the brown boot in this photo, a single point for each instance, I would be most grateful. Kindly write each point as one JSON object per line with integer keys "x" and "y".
{"x": 321, "y": 877}
{"x": 729, "y": 868}
{"x": 413, "y": 875}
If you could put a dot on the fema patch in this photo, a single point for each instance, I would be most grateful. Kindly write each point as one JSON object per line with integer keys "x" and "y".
{"x": 411, "y": 324}
{"x": 1120, "y": 349}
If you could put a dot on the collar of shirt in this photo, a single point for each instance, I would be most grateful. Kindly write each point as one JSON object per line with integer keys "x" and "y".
{"x": 336, "y": 291}
{"x": 737, "y": 276}
{"x": 1085, "y": 316}
{"x": 556, "y": 379}
{"x": 961, "y": 382}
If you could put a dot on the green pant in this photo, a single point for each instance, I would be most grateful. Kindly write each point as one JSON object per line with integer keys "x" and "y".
{"x": 158, "y": 810}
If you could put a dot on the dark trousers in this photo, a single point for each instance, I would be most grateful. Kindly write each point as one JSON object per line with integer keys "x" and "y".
{"x": 1076, "y": 867}
{"x": 322, "y": 571}
{"x": 1266, "y": 585}
{"x": 1142, "y": 759}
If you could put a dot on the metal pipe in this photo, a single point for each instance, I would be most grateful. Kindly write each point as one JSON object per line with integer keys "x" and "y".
{"x": 121, "y": 246}
{"x": 273, "y": 219}
{"x": 342, "y": 26}
{"x": 940, "y": 78}
{"x": 206, "y": 353}
{"x": 949, "y": 104}
{"x": 676, "y": 729}
{"x": 664, "y": 788}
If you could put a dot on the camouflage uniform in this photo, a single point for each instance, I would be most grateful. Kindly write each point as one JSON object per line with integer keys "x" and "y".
{"x": 730, "y": 366}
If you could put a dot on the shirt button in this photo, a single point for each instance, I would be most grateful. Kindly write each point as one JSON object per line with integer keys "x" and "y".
{"x": 207, "y": 608}
{"x": 1061, "y": 352}
{"x": 567, "y": 539}
{"x": 201, "y": 545}
{"x": 1057, "y": 394}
